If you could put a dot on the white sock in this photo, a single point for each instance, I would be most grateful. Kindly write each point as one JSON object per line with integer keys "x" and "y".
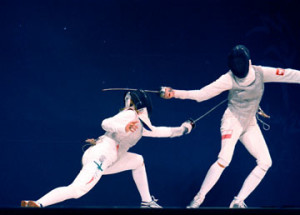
{"x": 251, "y": 183}
{"x": 211, "y": 178}
{"x": 140, "y": 178}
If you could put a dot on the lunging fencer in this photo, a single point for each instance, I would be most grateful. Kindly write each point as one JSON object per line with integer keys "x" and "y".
{"x": 109, "y": 153}
{"x": 245, "y": 83}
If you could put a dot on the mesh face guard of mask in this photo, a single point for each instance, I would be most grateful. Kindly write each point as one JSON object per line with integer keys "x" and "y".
{"x": 238, "y": 61}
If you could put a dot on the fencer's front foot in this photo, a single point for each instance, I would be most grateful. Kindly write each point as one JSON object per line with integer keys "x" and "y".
{"x": 236, "y": 203}
{"x": 30, "y": 204}
{"x": 151, "y": 204}
{"x": 196, "y": 202}
{"x": 166, "y": 92}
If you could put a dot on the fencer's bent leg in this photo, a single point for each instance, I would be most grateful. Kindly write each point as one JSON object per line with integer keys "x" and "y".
{"x": 257, "y": 147}
{"x": 230, "y": 133}
{"x": 140, "y": 178}
{"x": 134, "y": 162}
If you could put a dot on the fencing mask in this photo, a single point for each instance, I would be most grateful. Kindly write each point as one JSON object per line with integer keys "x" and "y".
{"x": 238, "y": 61}
{"x": 140, "y": 99}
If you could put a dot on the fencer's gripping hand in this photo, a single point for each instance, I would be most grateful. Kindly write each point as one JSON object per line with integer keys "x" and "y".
{"x": 91, "y": 141}
{"x": 166, "y": 92}
{"x": 188, "y": 126}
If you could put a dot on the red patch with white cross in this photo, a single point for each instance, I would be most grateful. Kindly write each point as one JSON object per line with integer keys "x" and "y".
{"x": 280, "y": 72}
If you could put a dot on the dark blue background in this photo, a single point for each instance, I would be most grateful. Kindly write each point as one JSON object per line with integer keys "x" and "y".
{"x": 57, "y": 55}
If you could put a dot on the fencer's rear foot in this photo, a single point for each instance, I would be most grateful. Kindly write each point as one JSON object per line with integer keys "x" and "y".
{"x": 30, "y": 204}
{"x": 236, "y": 203}
{"x": 151, "y": 204}
{"x": 196, "y": 202}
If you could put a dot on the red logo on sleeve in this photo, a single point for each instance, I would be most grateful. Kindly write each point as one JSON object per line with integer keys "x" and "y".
{"x": 280, "y": 72}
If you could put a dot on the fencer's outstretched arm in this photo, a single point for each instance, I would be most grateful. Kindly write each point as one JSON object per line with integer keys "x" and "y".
{"x": 225, "y": 83}
{"x": 162, "y": 131}
{"x": 209, "y": 91}
{"x": 281, "y": 75}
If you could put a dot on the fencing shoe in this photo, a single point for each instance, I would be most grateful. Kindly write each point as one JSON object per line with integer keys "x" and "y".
{"x": 151, "y": 204}
{"x": 30, "y": 204}
{"x": 196, "y": 202}
{"x": 236, "y": 203}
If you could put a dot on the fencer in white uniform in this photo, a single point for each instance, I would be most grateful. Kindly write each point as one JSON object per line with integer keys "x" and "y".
{"x": 245, "y": 83}
{"x": 109, "y": 153}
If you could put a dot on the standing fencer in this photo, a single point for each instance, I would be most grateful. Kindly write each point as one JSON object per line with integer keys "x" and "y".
{"x": 245, "y": 83}
{"x": 109, "y": 153}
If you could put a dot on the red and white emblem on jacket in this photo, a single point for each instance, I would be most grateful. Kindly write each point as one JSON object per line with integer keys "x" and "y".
{"x": 280, "y": 72}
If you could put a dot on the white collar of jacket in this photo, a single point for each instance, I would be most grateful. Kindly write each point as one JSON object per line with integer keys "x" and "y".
{"x": 143, "y": 115}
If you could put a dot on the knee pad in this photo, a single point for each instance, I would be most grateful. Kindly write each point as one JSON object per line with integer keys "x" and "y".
{"x": 138, "y": 163}
{"x": 259, "y": 172}
{"x": 221, "y": 162}
{"x": 265, "y": 165}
